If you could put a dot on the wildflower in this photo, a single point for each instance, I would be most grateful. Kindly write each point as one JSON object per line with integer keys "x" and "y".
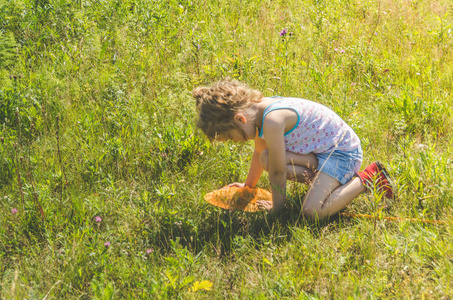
{"x": 198, "y": 46}
{"x": 336, "y": 49}
{"x": 283, "y": 32}
{"x": 107, "y": 244}
{"x": 342, "y": 51}
{"x": 14, "y": 211}
{"x": 422, "y": 146}
{"x": 97, "y": 219}
{"x": 149, "y": 251}
{"x": 375, "y": 33}
{"x": 353, "y": 83}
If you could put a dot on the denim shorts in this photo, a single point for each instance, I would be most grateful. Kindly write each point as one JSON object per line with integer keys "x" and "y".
{"x": 341, "y": 165}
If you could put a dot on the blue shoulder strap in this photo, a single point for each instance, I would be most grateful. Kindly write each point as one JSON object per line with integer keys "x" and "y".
{"x": 269, "y": 108}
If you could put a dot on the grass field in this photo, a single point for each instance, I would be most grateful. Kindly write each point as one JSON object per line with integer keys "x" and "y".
{"x": 102, "y": 171}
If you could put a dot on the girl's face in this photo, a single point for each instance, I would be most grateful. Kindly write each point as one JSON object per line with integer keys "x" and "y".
{"x": 246, "y": 130}
{"x": 235, "y": 135}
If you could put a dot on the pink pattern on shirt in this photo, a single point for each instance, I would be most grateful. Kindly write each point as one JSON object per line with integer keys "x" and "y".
{"x": 322, "y": 127}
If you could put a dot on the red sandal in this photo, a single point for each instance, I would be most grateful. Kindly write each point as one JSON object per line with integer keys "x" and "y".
{"x": 376, "y": 175}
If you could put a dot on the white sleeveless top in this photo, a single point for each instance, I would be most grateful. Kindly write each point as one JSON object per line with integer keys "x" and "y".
{"x": 318, "y": 128}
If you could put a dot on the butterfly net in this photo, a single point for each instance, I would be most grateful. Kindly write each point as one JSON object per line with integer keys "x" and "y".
{"x": 235, "y": 198}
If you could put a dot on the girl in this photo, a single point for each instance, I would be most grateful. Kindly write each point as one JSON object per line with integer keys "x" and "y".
{"x": 295, "y": 139}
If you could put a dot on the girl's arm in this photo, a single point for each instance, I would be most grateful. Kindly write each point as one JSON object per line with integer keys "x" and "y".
{"x": 255, "y": 167}
{"x": 274, "y": 129}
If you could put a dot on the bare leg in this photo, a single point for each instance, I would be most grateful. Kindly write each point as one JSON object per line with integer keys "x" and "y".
{"x": 299, "y": 174}
{"x": 300, "y": 167}
{"x": 327, "y": 196}
{"x": 309, "y": 161}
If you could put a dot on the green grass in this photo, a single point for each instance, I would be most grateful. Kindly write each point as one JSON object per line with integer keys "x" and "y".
{"x": 98, "y": 120}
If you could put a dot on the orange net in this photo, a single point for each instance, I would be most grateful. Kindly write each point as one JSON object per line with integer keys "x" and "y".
{"x": 238, "y": 198}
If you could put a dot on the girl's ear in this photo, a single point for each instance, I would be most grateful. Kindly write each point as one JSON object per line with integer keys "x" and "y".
{"x": 240, "y": 118}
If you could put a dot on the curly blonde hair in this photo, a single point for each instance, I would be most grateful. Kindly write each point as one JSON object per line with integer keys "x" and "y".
{"x": 218, "y": 104}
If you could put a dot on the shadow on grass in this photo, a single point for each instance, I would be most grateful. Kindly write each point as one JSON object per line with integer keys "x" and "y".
{"x": 222, "y": 232}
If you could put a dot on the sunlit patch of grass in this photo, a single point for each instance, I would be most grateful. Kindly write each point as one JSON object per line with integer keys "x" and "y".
{"x": 97, "y": 121}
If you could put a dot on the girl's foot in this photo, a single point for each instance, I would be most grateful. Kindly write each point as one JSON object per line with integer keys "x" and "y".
{"x": 376, "y": 173}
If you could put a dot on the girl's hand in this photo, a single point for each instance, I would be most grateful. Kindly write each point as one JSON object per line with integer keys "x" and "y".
{"x": 264, "y": 205}
{"x": 269, "y": 206}
{"x": 236, "y": 184}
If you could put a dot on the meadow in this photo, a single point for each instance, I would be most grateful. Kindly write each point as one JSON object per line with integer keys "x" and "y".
{"x": 103, "y": 172}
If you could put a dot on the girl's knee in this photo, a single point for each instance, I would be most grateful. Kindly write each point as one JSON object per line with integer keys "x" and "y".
{"x": 310, "y": 212}
{"x": 264, "y": 160}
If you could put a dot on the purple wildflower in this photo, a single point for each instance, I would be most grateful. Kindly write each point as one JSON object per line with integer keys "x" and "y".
{"x": 97, "y": 219}
{"x": 336, "y": 49}
{"x": 14, "y": 211}
{"x": 283, "y": 32}
{"x": 342, "y": 51}
{"x": 107, "y": 244}
{"x": 149, "y": 251}
{"x": 198, "y": 46}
